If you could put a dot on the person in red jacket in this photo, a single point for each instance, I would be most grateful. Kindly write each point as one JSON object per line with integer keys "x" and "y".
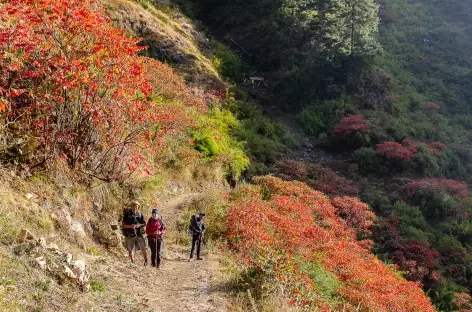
{"x": 155, "y": 229}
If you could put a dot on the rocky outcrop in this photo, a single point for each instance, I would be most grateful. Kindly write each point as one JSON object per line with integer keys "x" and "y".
{"x": 48, "y": 257}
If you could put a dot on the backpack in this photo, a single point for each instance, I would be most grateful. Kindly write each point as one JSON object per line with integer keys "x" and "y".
{"x": 193, "y": 224}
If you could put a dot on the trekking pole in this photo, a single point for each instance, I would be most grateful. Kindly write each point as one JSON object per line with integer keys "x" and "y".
{"x": 155, "y": 239}
{"x": 161, "y": 254}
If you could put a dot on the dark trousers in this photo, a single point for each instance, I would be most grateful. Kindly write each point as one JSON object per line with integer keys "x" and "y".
{"x": 196, "y": 242}
{"x": 155, "y": 245}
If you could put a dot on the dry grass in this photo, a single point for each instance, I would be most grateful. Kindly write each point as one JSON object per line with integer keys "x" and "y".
{"x": 170, "y": 35}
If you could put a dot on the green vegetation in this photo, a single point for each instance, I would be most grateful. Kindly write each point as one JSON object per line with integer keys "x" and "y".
{"x": 409, "y": 98}
{"x": 214, "y": 138}
{"x": 303, "y": 47}
{"x": 226, "y": 61}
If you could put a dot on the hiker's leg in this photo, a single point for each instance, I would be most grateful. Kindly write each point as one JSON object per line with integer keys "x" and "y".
{"x": 199, "y": 243}
{"x": 142, "y": 244}
{"x": 130, "y": 245}
{"x": 158, "y": 252}
{"x": 152, "y": 246}
{"x": 194, "y": 241}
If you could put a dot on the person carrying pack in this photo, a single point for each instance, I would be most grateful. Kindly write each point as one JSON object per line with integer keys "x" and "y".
{"x": 196, "y": 229}
{"x": 155, "y": 229}
{"x": 133, "y": 224}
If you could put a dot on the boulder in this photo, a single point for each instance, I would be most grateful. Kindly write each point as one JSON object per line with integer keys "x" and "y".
{"x": 41, "y": 262}
{"x": 41, "y": 242}
{"x": 79, "y": 269}
{"x": 68, "y": 272}
{"x": 68, "y": 258}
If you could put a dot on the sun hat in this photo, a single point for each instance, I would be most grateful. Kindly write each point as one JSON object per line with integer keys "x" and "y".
{"x": 135, "y": 202}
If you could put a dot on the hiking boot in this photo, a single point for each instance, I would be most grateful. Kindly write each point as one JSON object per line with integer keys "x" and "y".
{"x": 191, "y": 259}
{"x": 145, "y": 263}
{"x": 199, "y": 258}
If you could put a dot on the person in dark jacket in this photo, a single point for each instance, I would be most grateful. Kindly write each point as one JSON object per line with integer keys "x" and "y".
{"x": 197, "y": 229}
{"x": 155, "y": 230}
{"x": 133, "y": 224}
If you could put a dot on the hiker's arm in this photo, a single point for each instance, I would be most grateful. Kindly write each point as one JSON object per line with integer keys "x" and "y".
{"x": 127, "y": 226}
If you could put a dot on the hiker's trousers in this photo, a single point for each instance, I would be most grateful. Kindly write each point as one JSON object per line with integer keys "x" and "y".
{"x": 155, "y": 245}
{"x": 196, "y": 242}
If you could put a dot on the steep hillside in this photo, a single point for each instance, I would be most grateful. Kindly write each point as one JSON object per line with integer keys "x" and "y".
{"x": 169, "y": 37}
{"x": 91, "y": 119}
{"x": 390, "y": 125}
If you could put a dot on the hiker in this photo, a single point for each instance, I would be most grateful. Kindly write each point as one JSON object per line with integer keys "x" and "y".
{"x": 133, "y": 224}
{"x": 155, "y": 229}
{"x": 197, "y": 229}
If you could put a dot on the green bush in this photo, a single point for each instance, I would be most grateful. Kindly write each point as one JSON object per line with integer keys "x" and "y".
{"x": 411, "y": 221}
{"x": 434, "y": 204}
{"x": 426, "y": 162}
{"x": 374, "y": 195}
{"x": 312, "y": 123}
{"x": 205, "y": 143}
{"x": 215, "y": 137}
{"x": 367, "y": 159}
{"x": 226, "y": 61}
{"x": 321, "y": 116}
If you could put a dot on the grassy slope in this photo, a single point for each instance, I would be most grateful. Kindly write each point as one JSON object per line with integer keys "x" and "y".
{"x": 170, "y": 37}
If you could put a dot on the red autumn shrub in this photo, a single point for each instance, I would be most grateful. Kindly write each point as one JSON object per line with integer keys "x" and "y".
{"x": 276, "y": 222}
{"x": 356, "y": 213}
{"x": 453, "y": 188}
{"x": 434, "y": 106}
{"x": 401, "y": 151}
{"x": 350, "y": 125}
{"x": 76, "y": 87}
{"x": 417, "y": 258}
{"x": 463, "y": 301}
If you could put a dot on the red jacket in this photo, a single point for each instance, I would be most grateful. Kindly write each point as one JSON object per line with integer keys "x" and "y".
{"x": 155, "y": 228}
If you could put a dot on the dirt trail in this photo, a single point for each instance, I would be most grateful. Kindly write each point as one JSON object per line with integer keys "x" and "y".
{"x": 179, "y": 285}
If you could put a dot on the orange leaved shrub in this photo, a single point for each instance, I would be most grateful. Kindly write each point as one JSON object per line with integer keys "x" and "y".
{"x": 277, "y": 224}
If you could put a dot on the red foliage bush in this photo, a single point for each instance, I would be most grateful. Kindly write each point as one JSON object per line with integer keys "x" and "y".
{"x": 453, "y": 188}
{"x": 463, "y": 302}
{"x": 279, "y": 221}
{"x": 434, "y": 106}
{"x": 395, "y": 150}
{"x": 417, "y": 259}
{"x": 350, "y": 125}
{"x": 356, "y": 213}
{"x": 76, "y": 85}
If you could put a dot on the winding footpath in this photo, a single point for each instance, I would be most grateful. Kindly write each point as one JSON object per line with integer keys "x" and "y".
{"x": 179, "y": 286}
